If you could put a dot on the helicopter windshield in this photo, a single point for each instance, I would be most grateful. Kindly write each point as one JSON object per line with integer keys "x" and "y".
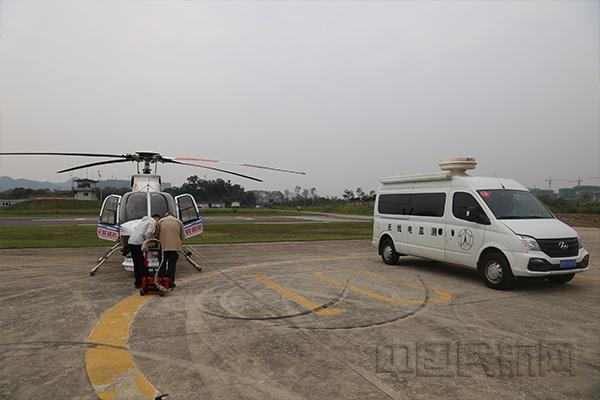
{"x": 158, "y": 204}
{"x": 136, "y": 206}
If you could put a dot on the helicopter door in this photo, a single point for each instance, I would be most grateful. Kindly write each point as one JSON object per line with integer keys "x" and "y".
{"x": 108, "y": 221}
{"x": 187, "y": 212}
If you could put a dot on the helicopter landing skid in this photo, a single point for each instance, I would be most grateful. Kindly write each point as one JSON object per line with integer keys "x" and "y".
{"x": 188, "y": 255}
{"x": 102, "y": 259}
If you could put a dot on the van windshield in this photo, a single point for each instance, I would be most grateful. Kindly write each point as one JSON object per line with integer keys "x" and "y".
{"x": 514, "y": 204}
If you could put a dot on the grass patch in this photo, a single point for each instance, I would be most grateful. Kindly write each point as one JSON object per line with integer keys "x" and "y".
{"x": 85, "y": 236}
{"x": 52, "y": 208}
{"x": 246, "y": 211}
{"x": 349, "y": 208}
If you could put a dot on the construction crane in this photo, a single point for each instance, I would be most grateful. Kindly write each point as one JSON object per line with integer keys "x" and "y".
{"x": 578, "y": 180}
{"x": 550, "y": 180}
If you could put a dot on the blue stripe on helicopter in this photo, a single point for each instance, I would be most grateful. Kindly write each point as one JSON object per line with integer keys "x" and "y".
{"x": 109, "y": 227}
{"x": 192, "y": 223}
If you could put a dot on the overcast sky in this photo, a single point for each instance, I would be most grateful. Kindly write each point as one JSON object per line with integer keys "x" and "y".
{"x": 347, "y": 91}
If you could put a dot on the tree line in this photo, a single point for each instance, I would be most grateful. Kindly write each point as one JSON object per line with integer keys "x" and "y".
{"x": 214, "y": 191}
{"x": 221, "y": 191}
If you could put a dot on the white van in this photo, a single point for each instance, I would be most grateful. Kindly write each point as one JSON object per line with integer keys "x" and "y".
{"x": 493, "y": 225}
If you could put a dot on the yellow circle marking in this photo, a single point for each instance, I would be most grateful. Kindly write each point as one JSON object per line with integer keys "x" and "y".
{"x": 443, "y": 296}
{"x": 110, "y": 368}
{"x": 303, "y": 301}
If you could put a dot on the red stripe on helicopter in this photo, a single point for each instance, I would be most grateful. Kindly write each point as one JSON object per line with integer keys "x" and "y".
{"x": 108, "y": 234}
{"x": 193, "y": 229}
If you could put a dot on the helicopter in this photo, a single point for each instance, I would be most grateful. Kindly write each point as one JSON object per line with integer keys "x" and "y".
{"x": 119, "y": 215}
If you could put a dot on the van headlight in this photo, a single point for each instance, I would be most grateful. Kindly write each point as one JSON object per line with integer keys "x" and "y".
{"x": 529, "y": 242}
{"x": 579, "y": 242}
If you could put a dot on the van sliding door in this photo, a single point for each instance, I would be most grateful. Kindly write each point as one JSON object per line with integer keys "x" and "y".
{"x": 427, "y": 224}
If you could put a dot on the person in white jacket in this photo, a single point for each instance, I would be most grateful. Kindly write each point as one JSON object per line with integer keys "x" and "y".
{"x": 143, "y": 230}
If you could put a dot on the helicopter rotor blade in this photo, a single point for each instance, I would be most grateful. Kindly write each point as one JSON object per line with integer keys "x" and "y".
{"x": 65, "y": 154}
{"x": 239, "y": 164}
{"x": 151, "y": 157}
{"x": 93, "y": 164}
{"x": 215, "y": 169}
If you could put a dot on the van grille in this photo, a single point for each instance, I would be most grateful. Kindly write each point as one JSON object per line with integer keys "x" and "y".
{"x": 552, "y": 247}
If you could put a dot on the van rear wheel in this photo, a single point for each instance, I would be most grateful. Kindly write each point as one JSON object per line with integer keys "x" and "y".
{"x": 388, "y": 252}
{"x": 495, "y": 271}
{"x": 561, "y": 278}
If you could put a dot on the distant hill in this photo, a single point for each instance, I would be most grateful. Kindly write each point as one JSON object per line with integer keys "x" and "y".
{"x": 7, "y": 183}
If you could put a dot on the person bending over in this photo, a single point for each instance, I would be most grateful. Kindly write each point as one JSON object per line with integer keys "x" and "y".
{"x": 143, "y": 230}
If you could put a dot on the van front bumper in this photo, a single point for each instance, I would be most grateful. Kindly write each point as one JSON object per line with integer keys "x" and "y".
{"x": 536, "y": 263}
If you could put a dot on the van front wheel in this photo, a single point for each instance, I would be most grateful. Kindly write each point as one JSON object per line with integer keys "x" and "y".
{"x": 495, "y": 271}
{"x": 388, "y": 252}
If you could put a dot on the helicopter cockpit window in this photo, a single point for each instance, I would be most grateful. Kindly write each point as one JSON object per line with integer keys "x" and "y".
{"x": 109, "y": 212}
{"x": 187, "y": 209}
{"x": 159, "y": 204}
{"x": 135, "y": 206}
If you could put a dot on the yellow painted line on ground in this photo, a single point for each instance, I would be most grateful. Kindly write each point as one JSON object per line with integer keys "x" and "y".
{"x": 308, "y": 304}
{"x": 110, "y": 368}
{"x": 368, "y": 293}
{"x": 443, "y": 296}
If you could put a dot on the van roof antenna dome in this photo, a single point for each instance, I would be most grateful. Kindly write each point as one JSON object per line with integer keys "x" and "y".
{"x": 458, "y": 165}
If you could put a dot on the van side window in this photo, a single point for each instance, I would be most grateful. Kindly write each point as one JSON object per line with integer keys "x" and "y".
{"x": 464, "y": 206}
{"x": 398, "y": 204}
{"x": 428, "y": 204}
{"x": 422, "y": 204}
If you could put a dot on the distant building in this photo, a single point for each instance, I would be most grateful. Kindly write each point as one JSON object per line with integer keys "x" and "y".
{"x": 587, "y": 192}
{"x": 543, "y": 192}
{"x": 4, "y": 203}
{"x": 583, "y": 192}
{"x": 235, "y": 204}
{"x": 567, "y": 194}
{"x": 85, "y": 189}
{"x": 264, "y": 197}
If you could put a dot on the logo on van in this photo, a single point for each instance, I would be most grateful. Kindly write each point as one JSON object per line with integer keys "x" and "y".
{"x": 563, "y": 245}
{"x": 465, "y": 239}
